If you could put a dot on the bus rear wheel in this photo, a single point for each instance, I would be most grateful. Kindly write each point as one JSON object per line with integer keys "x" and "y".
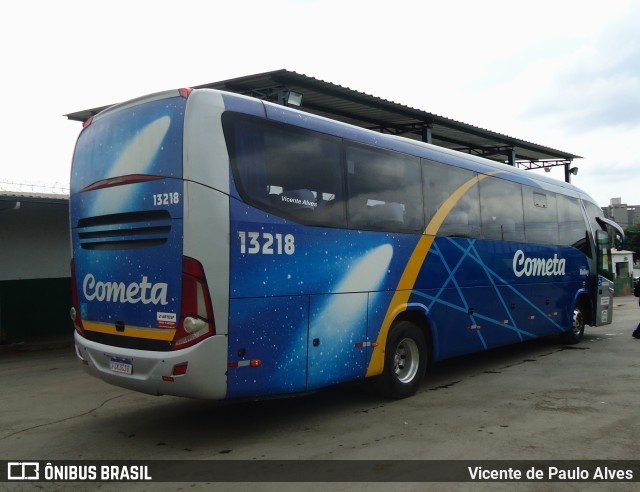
{"x": 405, "y": 361}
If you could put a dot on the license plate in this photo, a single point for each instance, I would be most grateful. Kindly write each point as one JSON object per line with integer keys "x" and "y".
{"x": 121, "y": 365}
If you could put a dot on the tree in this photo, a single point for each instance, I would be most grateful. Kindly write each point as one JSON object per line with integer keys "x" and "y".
{"x": 632, "y": 240}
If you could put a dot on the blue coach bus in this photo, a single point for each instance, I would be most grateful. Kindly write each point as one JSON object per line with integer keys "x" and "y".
{"x": 226, "y": 247}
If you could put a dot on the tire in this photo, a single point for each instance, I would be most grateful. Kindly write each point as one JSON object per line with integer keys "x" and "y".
{"x": 575, "y": 334}
{"x": 405, "y": 361}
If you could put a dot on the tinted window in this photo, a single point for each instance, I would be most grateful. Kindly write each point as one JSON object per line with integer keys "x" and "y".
{"x": 440, "y": 182}
{"x": 572, "y": 227}
{"x": 287, "y": 171}
{"x": 593, "y": 211}
{"x": 385, "y": 191}
{"x": 540, "y": 216}
{"x": 501, "y": 210}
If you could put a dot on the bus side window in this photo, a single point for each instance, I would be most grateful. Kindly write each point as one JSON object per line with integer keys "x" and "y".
{"x": 384, "y": 190}
{"x": 439, "y": 183}
{"x": 287, "y": 171}
{"x": 573, "y": 228}
{"x": 540, "y": 216}
{"x": 501, "y": 210}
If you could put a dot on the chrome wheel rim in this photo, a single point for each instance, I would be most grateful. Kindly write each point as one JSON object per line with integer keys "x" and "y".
{"x": 578, "y": 321}
{"x": 406, "y": 360}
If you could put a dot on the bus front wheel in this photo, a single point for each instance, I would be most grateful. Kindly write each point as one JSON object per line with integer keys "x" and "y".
{"x": 405, "y": 361}
{"x": 575, "y": 334}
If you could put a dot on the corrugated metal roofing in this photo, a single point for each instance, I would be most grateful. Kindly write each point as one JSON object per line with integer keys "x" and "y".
{"x": 367, "y": 111}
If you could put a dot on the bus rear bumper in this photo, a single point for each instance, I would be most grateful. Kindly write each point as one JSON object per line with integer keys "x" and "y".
{"x": 160, "y": 373}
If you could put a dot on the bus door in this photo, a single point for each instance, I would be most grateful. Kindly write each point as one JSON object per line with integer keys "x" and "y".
{"x": 604, "y": 289}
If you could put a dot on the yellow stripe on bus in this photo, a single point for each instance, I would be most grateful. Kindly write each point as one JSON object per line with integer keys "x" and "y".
{"x": 130, "y": 331}
{"x": 409, "y": 276}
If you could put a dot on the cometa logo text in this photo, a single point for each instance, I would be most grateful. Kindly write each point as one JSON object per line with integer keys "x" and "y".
{"x": 537, "y": 267}
{"x": 132, "y": 293}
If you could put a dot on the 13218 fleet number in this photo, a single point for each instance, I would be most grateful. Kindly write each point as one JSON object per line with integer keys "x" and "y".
{"x": 265, "y": 243}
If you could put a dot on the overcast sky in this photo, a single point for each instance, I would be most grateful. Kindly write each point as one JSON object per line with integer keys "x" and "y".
{"x": 565, "y": 74}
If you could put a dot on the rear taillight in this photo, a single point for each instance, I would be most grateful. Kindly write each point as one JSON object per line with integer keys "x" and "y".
{"x": 196, "y": 319}
{"x": 75, "y": 311}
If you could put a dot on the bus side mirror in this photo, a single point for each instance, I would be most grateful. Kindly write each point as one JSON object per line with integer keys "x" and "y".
{"x": 618, "y": 242}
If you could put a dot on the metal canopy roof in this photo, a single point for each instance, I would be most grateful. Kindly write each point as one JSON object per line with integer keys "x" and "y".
{"x": 11, "y": 199}
{"x": 363, "y": 110}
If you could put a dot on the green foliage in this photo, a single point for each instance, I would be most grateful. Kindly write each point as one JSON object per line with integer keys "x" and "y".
{"x": 632, "y": 239}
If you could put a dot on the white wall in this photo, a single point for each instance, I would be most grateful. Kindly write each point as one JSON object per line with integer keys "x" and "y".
{"x": 623, "y": 257}
{"x": 34, "y": 241}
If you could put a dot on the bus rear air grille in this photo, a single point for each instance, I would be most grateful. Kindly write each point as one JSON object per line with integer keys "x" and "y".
{"x": 124, "y": 231}
{"x": 124, "y": 218}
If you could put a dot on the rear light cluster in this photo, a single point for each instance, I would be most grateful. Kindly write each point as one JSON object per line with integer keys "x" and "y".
{"x": 196, "y": 320}
{"x": 178, "y": 370}
{"x": 75, "y": 312}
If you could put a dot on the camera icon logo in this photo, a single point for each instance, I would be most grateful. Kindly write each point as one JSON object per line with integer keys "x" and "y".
{"x": 23, "y": 470}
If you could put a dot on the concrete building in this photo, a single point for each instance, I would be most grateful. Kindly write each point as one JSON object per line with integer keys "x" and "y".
{"x": 35, "y": 280}
{"x": 623, "y": 268}
{"x": 623, "y": 214}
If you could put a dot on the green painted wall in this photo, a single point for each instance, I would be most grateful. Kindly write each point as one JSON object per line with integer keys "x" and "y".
{"x": 623, "y": 286}
{"x": 34, "y": 308}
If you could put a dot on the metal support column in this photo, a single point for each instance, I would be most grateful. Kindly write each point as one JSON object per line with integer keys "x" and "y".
{"x": 3, "y": 336}
{"x": 511, "y": 155}
{"x": 426, "y": 133}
